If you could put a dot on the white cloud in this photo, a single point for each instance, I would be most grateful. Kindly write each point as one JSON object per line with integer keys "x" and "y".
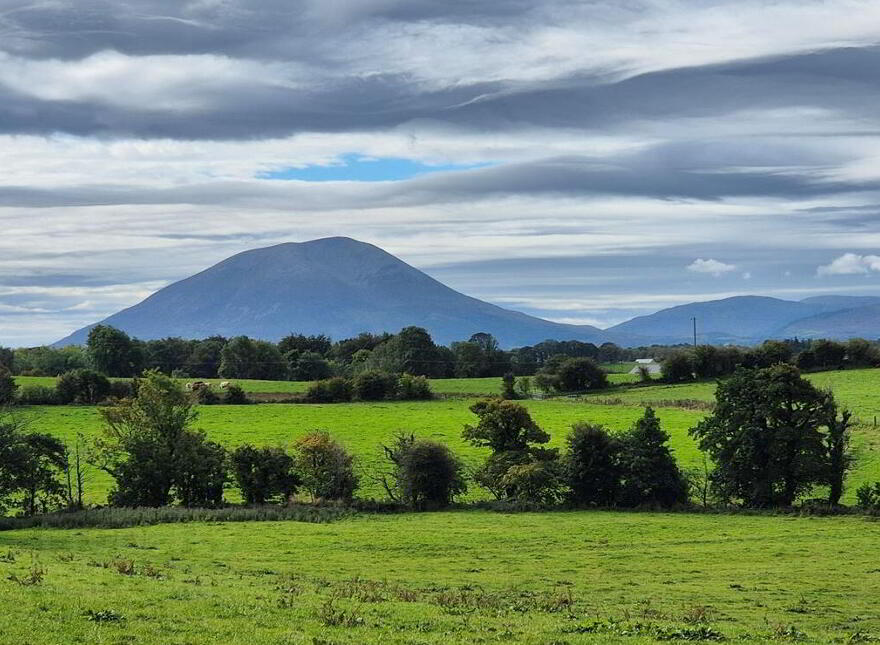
{"x": 851, "y": 264}
{"x": 714, "y": 267}
{"x": 747, "y": 275}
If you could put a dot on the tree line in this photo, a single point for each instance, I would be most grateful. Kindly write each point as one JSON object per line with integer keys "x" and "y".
{"x": 772, "y": 440}
{"x": 299, "y": 357}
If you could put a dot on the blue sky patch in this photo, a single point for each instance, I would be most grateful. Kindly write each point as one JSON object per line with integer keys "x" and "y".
{"x": 354, "y": 167}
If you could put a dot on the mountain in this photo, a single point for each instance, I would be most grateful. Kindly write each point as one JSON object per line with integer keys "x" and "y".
{"x": 839, "y": 303}
{"x": 741, "y": 319}
{"x": 857, "y": 322}
{"x": 335, "y": 286}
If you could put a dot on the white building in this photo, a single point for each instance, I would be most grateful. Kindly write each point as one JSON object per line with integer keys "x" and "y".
{"x": 652, "y": 366}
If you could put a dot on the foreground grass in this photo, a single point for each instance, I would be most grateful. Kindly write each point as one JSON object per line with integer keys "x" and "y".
{"x": 458, "y": 577}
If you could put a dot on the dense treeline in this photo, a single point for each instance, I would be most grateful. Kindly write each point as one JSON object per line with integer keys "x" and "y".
{"x": 709, "y": 361}
{"x": 411, "y": 351}
{"x": 773, "y": 439}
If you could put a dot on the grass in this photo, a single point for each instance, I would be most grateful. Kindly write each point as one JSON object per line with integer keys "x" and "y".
{"x": 442, "y": 386}
{"x": 456, "y": 577}
{"x": 363, "y": 427}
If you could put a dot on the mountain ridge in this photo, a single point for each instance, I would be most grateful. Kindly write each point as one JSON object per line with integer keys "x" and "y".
{"x": 340, "y": 287}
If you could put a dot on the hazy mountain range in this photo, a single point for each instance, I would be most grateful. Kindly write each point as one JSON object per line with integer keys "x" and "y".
{"x": 341, "y": 287}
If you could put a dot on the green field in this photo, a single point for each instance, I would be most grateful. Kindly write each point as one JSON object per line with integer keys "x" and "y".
{"x": 363, "y": 427}
{"x": 457, "y": 577}
{"x": 442, "y": 386}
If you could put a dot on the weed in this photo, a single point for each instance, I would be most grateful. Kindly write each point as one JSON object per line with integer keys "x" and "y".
{"x": 332, "y": 616}
{"x": 103, "y": 616}
{"x": 34, "y": 576}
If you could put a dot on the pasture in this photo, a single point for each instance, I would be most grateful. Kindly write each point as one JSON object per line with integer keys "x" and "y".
{"x": 363, "y": 427}
{"x": 455, "y": 577}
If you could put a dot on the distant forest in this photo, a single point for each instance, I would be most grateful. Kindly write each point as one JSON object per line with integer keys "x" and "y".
{"x": 411, "y": 351}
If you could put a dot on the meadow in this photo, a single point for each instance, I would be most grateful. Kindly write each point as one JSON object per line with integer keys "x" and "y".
{"x": 453, "y": 577}
{"x": 364, "y": 427}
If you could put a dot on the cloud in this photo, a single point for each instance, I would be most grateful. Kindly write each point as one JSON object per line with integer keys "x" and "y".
{"x": 595, "y": 143}
{"x": 849, "y": 264}
{"x": 711, "y": 266}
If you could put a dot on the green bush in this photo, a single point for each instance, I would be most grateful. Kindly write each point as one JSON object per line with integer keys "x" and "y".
{"x": 334, "y": 390}
{"x": 263, "y": 474}
{"x": 591, "y": 463}
{"x": 373, "y": 385}
{"x": 235, "y": 395}
{"x": 8, "y": 387}
{"x": 326, "y": 468}
{"x": 83, "y": 387}
{"x": 868, "y": 496}
{"x": 425, "y": 474}
{"x": 37, "y": 395}
{"x": 677, "y": 368}
{"x": 414, "y": 388}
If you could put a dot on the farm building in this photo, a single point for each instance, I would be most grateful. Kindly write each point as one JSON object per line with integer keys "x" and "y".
{"x": 649, "y": 363}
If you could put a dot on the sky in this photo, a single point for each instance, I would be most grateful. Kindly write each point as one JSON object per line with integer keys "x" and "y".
{"x": 585, "y": 161}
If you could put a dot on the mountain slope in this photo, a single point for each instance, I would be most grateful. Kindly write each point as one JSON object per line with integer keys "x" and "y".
{"x": 737, "y": 319}
{"x": 858, "y": 322}
{"x": 335, "y": 286}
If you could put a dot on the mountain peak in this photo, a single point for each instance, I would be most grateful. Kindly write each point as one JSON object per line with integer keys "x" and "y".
{"x": 337, "y": 286}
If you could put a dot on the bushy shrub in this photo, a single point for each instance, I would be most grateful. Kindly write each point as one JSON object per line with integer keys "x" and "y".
{"x": 580, "y": 375}
{"x": 325, "y": 467}
{"x": 591, "y": 465}
{"x": 508, "y": 387}
{"x": 425, "y": 474}
{"x": 205, "y": 395}
{"x": 651, "y": 476}
{"x": 235, "y": 395}
{"x": 373, "y": 385}
{"x": 83, "y": 387}
{"x": 263, "y": 474}
{"x": 121, "y": 389}
{"x": 37, "y": 395}
{"x": 201, "y": 471}
{"x": 414, "y": 388}
{"x": 868, "y": 496}
{"x": 334, "y": 390}
{"x": 536, "y": 482}
{"x": 8, "y": 388}
{"x": 677, "y": 368}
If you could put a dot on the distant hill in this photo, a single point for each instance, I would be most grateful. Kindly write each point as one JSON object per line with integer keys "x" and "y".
{"x": 738, "y": 319}
{"x": 861, "y": 322}
{"x": 335, "y": 286}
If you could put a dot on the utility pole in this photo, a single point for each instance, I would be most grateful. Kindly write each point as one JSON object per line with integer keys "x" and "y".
{"x": 695, "y": 331}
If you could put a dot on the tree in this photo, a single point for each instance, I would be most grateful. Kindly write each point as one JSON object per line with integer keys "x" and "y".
{"x": 504, "y": 426}
{"x": 508, "y": 387}
{"x": 580, "y": 375}
{"x": 678, "y": 367}
{"x": 204, "y": 360}
{"x": 650, "y": 475}
{"x": 168, "y": 354}
{"x": 326, "y": 469}
{"x": 83, "y": 387}
{"x": 839, "y": 458}
{"x": 770, "y": 437}
{"x": 31, "y": 465}
{"x": 514, "y": 438}
{"x": 470, "y": 361}
{"x": 374, "y": 386}
{"x": 8, "y": 388}
{"x": 149, "y": 447}
{"x": 245, "y": 358}
{"x": 320, "y": 345}
{"x": 535, "y": 482}
{"x": 591, "y": 465}
{"x": 7, "y": 359}
{"x": 859, "y": 353}
{"x": 113, "y": 353}
{"x": 263, "y": 474}
{"x": 308, "y": 366}
{"x": 425, "y": 474}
